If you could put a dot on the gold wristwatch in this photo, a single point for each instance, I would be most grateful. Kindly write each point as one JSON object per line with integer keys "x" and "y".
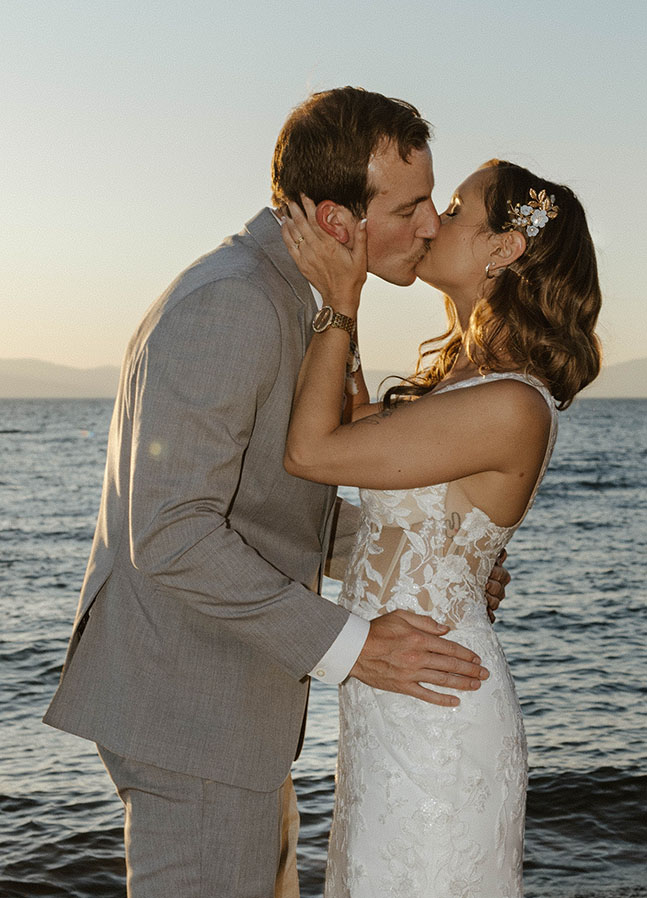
{"x": 327, "y": 317}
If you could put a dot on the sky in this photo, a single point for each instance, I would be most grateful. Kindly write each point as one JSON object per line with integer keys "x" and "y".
{"x": 136, "y": 135}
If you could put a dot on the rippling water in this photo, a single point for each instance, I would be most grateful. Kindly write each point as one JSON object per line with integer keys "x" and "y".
{"x": 573, "y": 627}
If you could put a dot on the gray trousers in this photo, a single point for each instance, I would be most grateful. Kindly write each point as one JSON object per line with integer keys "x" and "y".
{"x": 188, "y": 837}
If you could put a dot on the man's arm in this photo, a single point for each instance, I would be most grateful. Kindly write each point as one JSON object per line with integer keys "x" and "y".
{"x": 342, "y": 538}
{"x": 195, "y": 390}
{"x": 194, "y": 393}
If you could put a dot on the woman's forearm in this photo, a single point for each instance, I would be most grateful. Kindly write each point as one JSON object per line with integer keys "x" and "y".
{"x": 319, "y": 396}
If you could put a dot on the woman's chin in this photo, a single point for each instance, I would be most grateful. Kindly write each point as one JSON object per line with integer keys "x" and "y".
{"x": 426, "y": 274}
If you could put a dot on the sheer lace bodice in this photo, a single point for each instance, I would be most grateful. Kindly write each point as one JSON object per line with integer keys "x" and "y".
{"x": 430, "y": 801}
{"x": 429, "y": 549}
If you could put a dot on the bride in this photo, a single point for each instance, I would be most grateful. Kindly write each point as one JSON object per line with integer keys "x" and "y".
{"x": 430, "y": 800}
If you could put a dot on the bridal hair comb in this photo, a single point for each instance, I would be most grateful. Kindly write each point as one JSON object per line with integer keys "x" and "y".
{"x": 534, "y": 214}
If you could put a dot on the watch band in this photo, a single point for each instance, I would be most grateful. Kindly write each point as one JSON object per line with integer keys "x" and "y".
{"x": 327, "y": 317}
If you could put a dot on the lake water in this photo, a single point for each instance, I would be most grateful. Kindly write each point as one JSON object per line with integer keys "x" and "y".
{"x": 573, "y": 625}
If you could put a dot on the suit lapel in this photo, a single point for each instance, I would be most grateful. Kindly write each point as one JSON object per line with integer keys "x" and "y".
{"x": 266, "y": 232}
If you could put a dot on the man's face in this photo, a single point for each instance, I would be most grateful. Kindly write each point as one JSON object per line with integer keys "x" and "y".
{"x": 401, "y": 215}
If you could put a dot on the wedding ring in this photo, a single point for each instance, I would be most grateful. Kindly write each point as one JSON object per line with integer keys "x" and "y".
{"x": 298, "y": 242}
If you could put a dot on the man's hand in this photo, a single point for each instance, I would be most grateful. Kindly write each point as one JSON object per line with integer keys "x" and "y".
{"x": 404, "y": 649}
{"x": 495, "y": 589}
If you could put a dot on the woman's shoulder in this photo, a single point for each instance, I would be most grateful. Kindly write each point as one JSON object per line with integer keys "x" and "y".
{"x": 513, "y": 384}
{"x": 523, "y": 413}
{"x": 519, "y": 406}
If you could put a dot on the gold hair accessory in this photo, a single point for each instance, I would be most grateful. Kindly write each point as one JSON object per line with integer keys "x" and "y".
{"x": 534, "y": 214}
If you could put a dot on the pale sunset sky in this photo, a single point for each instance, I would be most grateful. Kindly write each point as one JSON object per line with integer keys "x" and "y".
{"x": 135, "y": 135}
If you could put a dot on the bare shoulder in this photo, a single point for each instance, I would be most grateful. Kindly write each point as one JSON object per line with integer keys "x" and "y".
{"x": 520, "y": 401}
{"x": 520, "y": 415}
{"x": 510, "y": 411}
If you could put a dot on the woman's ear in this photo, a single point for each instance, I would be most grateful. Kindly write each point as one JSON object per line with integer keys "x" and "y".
{"x": 509, "y": 246}
{"x": 335, "y": 220}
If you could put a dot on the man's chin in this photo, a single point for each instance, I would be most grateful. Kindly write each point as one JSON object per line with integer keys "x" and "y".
{"x": 398, "y": 279}
{"x": 405, "y": 278}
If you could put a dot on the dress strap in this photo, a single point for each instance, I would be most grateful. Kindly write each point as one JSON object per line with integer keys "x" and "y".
{"x": 502, "y": 375}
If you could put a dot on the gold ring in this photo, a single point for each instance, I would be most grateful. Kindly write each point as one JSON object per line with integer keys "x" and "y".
{"x": 298, "y": 242}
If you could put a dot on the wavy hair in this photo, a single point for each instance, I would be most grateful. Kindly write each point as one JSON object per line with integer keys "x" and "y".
{"x": 539, "y": 316}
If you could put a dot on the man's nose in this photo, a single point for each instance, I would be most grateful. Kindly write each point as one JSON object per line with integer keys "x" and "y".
{"x": 430, "y": 223}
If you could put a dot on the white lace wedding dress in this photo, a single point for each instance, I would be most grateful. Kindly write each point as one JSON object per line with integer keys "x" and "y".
{"x": 430, "y": 801}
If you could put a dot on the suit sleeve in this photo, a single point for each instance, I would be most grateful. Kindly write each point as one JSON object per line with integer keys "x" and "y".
{"x": 195, "y": 388}
{"x": 342, "y": 538}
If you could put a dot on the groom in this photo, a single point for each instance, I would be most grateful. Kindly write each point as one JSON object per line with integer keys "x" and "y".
{"x": 199, "y": 624}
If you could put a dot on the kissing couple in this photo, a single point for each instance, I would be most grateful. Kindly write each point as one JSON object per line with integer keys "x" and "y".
{"x": 200, "y": 623}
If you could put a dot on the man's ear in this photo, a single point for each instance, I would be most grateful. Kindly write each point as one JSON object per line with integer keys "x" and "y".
{"x": 335, "y": 220}
{"x": 509, "y": 246}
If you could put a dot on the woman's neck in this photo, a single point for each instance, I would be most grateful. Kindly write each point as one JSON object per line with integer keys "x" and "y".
{"x": 464, "y": 368}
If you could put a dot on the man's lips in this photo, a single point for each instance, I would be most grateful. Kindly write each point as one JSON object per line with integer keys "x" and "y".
{"x": 421, "y": 255}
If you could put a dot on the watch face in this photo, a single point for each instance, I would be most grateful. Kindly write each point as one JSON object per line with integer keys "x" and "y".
{"x": 322, "y": 319}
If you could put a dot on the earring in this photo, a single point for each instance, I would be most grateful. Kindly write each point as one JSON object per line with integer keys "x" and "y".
{"x": 492, "y": 272}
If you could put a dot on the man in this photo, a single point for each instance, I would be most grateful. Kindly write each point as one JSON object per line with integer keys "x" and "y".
{"x": 197, "y": 625}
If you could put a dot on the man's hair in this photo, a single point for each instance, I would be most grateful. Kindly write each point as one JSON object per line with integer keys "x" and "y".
{"x": 325, "y": 146}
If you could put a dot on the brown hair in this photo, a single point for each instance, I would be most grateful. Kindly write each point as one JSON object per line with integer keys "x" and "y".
{"x": 325, "y": 146}
{"x": 540, "y": 313}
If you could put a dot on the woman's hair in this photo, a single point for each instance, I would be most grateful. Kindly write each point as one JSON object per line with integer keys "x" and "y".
{"x": 325, "y": 145}
{"x": 541, "y": 311}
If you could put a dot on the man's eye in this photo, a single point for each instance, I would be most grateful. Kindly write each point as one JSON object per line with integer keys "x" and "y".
{"x": 407, "y": 214}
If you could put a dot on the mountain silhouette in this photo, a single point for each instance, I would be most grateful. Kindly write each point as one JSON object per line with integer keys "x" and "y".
{"x": 35, "y": 379}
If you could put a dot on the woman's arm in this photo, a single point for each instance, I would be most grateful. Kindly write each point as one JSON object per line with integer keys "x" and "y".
{"x": 493, "y": 427}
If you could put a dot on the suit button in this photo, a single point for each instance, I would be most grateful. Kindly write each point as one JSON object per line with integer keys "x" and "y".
{"x": 320, "y": 672}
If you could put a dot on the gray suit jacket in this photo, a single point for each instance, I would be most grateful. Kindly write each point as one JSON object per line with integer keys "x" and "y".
{"x": 195, "y": 629}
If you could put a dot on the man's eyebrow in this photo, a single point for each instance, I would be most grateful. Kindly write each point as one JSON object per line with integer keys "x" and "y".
{"x": 410, "y": 203}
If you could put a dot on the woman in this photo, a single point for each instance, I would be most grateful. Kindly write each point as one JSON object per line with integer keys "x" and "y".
{"x": 430, "y": 800}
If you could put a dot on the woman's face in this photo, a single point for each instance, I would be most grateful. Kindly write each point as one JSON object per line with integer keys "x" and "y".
{"x": 456, "y": 259}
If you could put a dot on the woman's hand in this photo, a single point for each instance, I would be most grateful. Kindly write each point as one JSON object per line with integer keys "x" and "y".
{"x": 337, "y": 270}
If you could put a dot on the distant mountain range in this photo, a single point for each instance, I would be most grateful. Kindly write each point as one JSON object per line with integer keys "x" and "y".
{"x": 34, "y": 379}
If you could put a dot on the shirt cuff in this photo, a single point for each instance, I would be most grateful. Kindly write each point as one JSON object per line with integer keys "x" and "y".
{"x": 336, "y": 664}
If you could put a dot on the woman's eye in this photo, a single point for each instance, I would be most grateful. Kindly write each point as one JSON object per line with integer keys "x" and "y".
{"x": 452, "y": 213}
